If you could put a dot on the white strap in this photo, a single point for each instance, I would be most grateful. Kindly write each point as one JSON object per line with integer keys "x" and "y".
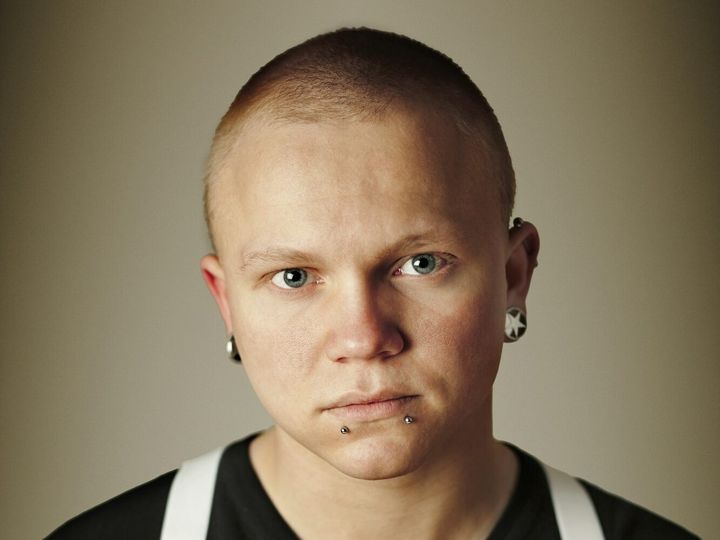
{"x": 187, "y": 512}
{"x": 574, "y": 510}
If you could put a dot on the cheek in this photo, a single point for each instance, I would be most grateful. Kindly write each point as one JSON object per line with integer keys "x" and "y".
{"x": 275, "y": 354}
{"x": 280, "y": 360}
{"x": 462, "y": 347}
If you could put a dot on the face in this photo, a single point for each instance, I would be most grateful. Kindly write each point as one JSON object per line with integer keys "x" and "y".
{"x": 362, "y": 271}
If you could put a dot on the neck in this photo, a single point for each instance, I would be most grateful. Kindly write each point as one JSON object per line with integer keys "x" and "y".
{"x": 460, "y": 494}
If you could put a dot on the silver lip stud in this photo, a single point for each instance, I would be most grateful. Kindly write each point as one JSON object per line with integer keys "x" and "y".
{"x": 408, "y": 419}
{"x": 344, "y": 430}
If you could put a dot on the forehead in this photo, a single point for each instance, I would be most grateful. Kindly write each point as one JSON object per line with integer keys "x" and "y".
{"x": 401, "y": 171}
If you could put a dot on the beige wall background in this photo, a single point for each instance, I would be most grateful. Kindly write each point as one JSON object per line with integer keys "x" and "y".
{"x": 113, "y": 368}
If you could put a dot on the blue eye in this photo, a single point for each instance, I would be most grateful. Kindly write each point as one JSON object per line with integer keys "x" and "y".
{"x": 423, "y": 264}
{"x": 292, "y": 278}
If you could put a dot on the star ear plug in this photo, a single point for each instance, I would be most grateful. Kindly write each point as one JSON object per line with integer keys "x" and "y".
{"x": 515, "y": 324}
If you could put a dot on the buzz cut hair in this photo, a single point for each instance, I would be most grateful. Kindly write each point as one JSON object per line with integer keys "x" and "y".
{"x": 360, "y": 74}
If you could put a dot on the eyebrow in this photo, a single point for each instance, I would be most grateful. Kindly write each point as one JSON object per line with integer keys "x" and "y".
{"x": 274, "y": 254}
{"x": 289, "y": 256}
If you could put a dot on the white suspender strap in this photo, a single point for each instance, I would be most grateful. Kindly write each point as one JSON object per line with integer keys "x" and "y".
{"x": 187, "y": 512}
{"x": 574, "y": 510}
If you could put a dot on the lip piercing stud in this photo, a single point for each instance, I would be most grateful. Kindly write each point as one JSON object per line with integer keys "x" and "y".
{"x": 344, "y": 430}
{"x": 408, "y": 419}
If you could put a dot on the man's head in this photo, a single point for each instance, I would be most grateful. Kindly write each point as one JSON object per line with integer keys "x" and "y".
{"x": 364, "y": 263}
{"x": 362, "y": 74}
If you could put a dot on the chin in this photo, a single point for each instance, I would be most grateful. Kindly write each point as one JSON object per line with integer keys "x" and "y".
{"x": 378, "y": 458}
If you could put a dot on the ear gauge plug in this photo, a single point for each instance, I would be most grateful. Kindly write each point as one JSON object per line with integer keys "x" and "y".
{"x": 515, "y": 324}
{"x": 231, "y": 349}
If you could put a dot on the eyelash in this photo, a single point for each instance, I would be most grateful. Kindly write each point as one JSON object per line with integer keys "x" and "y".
{"x": 439, "y": 262}
{"x": 442, "y": 260}
{"x": 281, "y": 275}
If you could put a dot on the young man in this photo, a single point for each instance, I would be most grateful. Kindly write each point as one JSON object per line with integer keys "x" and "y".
{"x": 358, "y": 196}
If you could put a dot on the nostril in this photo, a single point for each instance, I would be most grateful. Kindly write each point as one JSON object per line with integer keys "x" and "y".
{"x": 361, "y": 322}
{"x": 365, "y": 343}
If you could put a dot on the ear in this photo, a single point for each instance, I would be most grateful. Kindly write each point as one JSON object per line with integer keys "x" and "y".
{"x": 214, "y": 277}
{"x": 523, "y": 249}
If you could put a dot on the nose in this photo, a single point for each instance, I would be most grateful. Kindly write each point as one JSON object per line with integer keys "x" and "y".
{"x": 362, "y": 326}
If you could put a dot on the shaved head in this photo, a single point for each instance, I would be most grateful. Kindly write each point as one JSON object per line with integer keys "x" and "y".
{"x": 361, "y": 75}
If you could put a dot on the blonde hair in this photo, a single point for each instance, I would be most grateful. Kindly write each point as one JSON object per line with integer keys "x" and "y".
{"x": 359, "y": 73}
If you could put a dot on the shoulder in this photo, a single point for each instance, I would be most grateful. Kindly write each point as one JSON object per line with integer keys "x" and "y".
{"x": 621, "y": 518}
{"x": 137, "y": 513}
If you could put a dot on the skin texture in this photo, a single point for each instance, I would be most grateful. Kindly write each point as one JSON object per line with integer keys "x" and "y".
{"x": 353, "y": 204}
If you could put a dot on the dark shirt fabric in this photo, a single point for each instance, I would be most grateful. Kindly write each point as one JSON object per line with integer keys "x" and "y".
{"x": 241, "y": 509}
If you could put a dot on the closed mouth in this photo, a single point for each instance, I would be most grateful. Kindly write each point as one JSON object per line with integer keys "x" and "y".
{"x": 370, "y": 408}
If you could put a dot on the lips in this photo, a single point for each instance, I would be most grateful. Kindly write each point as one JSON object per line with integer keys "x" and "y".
{"x": 362, "y": 407}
